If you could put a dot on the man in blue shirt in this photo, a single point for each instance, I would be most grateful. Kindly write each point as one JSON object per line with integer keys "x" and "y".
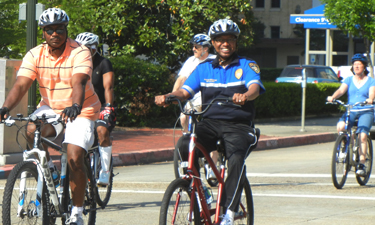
{"x": 227, "y": 76}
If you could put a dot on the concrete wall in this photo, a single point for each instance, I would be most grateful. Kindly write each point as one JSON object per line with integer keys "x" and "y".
{"x": 10, "y": 153}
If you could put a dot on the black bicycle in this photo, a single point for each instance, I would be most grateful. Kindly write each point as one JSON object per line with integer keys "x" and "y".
{"x": 345, "y": 152}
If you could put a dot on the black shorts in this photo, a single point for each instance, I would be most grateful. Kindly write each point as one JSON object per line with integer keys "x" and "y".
{"x": 105, "y": 123}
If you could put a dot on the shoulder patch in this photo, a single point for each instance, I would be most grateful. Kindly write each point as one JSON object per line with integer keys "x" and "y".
{"x": 238, "y": 73}
{"x": 254, "y": 67}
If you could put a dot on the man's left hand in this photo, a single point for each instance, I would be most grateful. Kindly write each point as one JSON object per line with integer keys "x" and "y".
{"x": 239, "y": 99}
{"x": 71, "y": 112}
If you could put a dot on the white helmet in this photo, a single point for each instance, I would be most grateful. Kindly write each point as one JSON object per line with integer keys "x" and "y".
{"x": 53, "y": 16}
{"x": 87, "y": 38}
{"x": 201, "y": 39}
{"x": 224, "y": 26}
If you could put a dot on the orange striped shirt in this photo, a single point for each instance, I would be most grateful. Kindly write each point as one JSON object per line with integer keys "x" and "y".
{"x": 55, "y": 75}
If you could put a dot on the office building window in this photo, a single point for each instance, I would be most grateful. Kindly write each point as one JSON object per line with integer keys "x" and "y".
{"x": 292, "y": 59}
{"x": 259, "y": 4}
{"x": 275, "y": 32}
{"x": 275, "y": 3}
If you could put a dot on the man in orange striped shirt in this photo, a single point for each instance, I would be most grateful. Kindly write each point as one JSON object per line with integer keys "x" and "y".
{"x": 63, "y": 70}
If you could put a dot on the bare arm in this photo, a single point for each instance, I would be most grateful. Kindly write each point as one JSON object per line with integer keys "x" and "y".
{"x": 79, "y": 84}
{"x": 182, "y": 94}
{"x": 251, "y": 94}
{"x": 108, "y": 84}
{"x": 371, "y": 95}
{"x": 19, "y": 89}
{"x": 338, "y": 93}
{"x": 179, "y": 82}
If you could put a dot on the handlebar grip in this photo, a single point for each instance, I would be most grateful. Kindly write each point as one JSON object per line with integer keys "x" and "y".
{"x": 169, "y": 99}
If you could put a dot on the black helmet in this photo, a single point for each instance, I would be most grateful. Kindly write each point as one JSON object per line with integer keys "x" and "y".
{"x": 53, "y": 16}
{"x": 223, "y": 26}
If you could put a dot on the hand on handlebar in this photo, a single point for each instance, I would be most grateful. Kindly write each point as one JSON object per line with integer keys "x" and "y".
{"x": 71, "y": 112}
{"x": 239, "y": 99}
{"x": 160, "y": 100}
{"x": 4, "y": 112}
{"x": 330, "y": 99}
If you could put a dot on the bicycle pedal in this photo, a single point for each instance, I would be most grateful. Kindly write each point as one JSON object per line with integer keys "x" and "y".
{"x": 115, "y": 174}
{"x": 101, "y": 185}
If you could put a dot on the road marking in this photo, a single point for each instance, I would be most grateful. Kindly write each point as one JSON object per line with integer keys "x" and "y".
{"x": 300, "y": 175}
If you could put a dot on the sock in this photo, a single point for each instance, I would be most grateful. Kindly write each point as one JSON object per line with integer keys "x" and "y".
{"x": 50, "y": 163}
{"x": 77, "y": 210}
{"x": 105, "y": 155}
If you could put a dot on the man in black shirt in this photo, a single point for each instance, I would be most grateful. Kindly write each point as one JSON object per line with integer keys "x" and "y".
{"x": 103, "y": 81}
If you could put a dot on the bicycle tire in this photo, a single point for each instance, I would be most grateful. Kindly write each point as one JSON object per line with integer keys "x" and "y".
{"x": 102, "y": 193}
{"x": 246, "y": 209}
{"x": 89, "y": 204}
{"x": 339, "y": 167}
{"x": 11, "y": 197}
{"x": 169, "y": 202}
{"x": 369, "y": 157}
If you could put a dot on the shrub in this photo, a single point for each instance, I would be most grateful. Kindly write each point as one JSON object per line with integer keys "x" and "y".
{"x": 270, "y": 74}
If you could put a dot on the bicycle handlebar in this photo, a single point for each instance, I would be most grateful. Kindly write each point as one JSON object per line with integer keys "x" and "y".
{"x": 10, "y": 121}
{"x": 171, "y": 98}
{"x": 336, "y": 101}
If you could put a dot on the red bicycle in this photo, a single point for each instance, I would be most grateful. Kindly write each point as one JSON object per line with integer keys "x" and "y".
{"x": 184, "y": 201}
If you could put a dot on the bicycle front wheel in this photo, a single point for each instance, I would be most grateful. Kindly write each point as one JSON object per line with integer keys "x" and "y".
{"x": 340, "y": 162}
{"x": 245, "y": 214}
{"x": 19, "y": 206}
{"x": 175, "y": 206}
{"x": 368, "y": 164}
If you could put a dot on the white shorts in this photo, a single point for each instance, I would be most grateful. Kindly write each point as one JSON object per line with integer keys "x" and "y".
{"x": 197, "y": 103}
{"x": 80, "y": 132}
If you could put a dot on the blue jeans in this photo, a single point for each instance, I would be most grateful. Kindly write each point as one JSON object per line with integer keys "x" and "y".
{"x": 365, "y": 120}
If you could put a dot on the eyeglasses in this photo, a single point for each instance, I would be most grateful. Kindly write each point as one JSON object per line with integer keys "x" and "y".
{"x": 222, "y": 41}
{"x": 197, "y": 47}
{"x": 58, "y": 31}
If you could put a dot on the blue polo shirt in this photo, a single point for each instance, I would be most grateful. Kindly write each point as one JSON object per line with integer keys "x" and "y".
{"x": 214, "y": 81}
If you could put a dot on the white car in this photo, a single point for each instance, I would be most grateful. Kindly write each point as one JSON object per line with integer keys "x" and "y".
{"x": 344, "y": 72}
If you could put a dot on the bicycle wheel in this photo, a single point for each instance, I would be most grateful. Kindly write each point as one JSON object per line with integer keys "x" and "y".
{"x": 102, "y": 193}
{"x": 178, "y": 170}
{"x": 245, "y": 214}
{"x": 340, "y": 162}
{"x": 175, "y": 206}
{"x": 368, "y": 164}
{"x": 12, "y": 199}
{"x": 89, "y": 204}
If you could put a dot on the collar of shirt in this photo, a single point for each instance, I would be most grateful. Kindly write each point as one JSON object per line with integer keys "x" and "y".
{"x": 235, "y": 59}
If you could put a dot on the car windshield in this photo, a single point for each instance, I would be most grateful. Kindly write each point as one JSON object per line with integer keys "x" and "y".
{"x": 326, "y": 73}
{"x": 296, "y": 72}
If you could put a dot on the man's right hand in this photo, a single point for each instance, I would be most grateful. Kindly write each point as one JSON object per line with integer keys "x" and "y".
{"x": 4, "y": 112}
{"x": 160, "y": 100}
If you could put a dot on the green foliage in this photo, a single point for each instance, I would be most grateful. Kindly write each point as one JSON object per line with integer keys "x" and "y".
{"x": 137, "y": 83}
{"x": 285, "y": 99}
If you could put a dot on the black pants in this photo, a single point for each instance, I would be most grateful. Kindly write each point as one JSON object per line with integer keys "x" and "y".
{"x": 237, "y": 139}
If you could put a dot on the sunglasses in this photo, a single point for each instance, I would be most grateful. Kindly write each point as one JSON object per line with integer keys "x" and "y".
{"x": 58, "y": 31}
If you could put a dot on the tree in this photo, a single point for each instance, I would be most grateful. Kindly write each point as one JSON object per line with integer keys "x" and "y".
{"x": 355, "y": 17}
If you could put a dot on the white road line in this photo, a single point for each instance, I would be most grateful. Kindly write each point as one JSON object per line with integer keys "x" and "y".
{"x": 300, "y": 175}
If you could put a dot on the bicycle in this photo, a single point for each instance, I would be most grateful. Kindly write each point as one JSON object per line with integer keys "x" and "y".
{"x": 184, "y": 200}
{"x": 345, "y": 153}
{"x": 179, "y": 166}
{"x": 30, "y": 195}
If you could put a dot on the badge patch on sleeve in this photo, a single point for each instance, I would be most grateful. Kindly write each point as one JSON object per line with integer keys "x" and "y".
{"x": 254, "y": 67}
{"x": 238, "y": 73}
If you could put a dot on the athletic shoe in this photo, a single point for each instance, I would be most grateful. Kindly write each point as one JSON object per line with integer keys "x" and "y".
{"x": 361, "y": 170}
{"x": 227, "y": 220}
{"x": 210, "y": 173}
{"x": 103, "y": 178}
{"x": 75, "y": 220}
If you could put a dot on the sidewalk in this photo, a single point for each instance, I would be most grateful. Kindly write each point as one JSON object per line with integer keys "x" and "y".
{"x": 133, "y": 146}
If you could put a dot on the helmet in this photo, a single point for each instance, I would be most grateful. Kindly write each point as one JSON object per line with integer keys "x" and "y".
{"x": 359, "y": 57}
{"x": 87, "y": 38}
{"x": 201, "y": 39}
{"x": 53, "y": 16}
{"x": 224, "y": 26}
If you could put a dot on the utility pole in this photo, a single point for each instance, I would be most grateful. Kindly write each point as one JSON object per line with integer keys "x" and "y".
{"x": 31, "y": 35}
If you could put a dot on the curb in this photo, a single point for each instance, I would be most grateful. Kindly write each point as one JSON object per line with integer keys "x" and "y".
{"x": 161, "y": 155}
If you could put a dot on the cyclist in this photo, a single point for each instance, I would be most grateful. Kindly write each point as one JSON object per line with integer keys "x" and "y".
{"x": 63, "y": 70}
{"x": 201, "y": 46}
{"x": 360, "y": 88}
{"x": 103, "y": 81}
{"x": 229, "y": 75}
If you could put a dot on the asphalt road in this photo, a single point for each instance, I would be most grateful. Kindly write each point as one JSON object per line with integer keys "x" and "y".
{"x": 290, "y": 186}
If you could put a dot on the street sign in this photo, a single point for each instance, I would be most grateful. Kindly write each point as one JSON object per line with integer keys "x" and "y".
{"x": 311, "y": 21}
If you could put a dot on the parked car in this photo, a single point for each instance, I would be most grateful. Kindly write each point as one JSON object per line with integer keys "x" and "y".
{"x": 315, "y": 74}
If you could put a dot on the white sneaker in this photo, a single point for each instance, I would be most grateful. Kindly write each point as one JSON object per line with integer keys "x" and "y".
{"x": 342, "y": 155}
{"x": 103, "y": 178}
{"x": 227, "y": 220}
{"x": 75, "y": 220}
{"x": 210, "y": 173}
